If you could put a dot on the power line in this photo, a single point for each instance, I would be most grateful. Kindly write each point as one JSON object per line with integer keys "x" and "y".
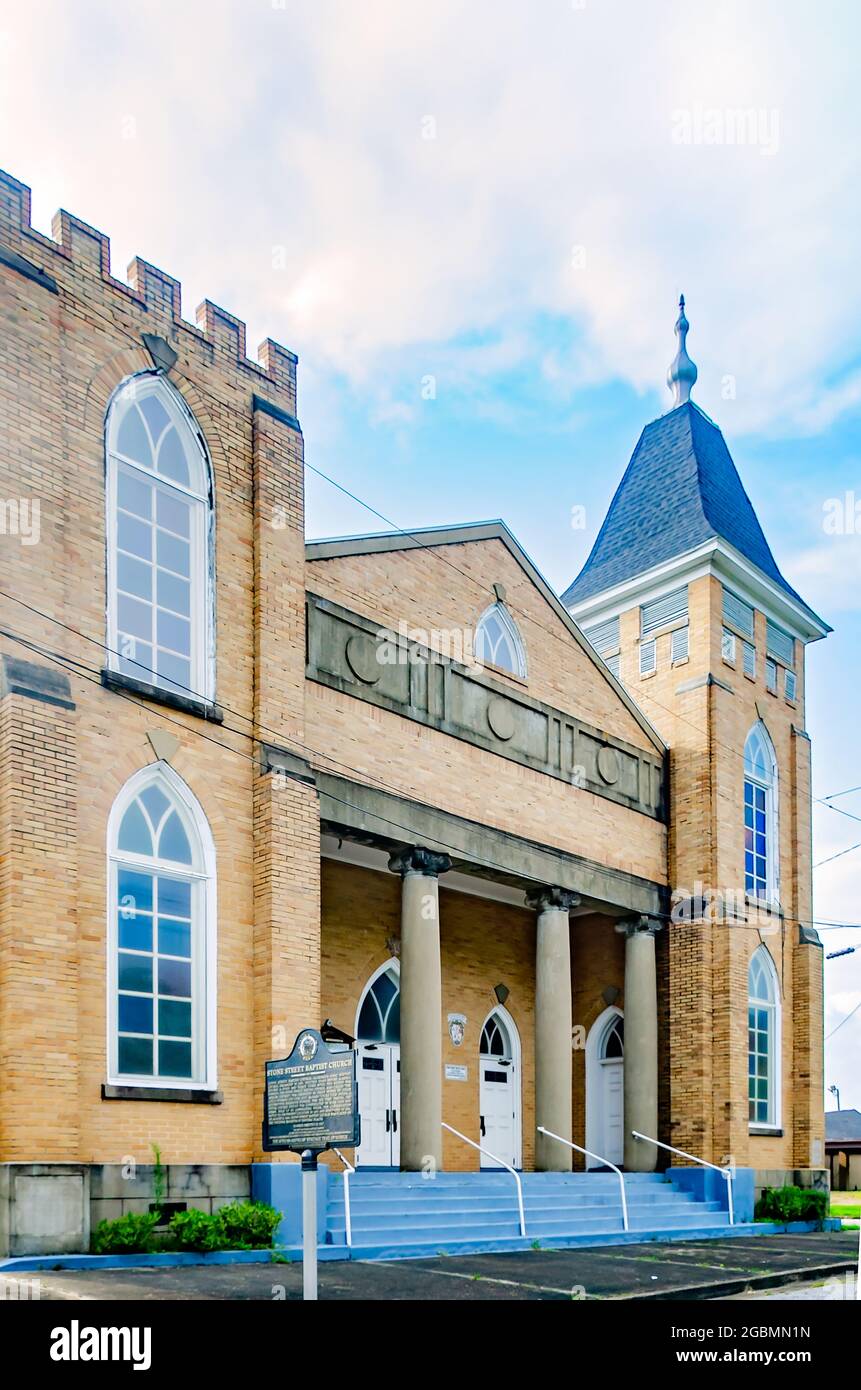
{"x": 290, "y": 744}
{"x": 422, "y": 545}
{"x": 822, "y": 802}
{"x": 834, "y": 795}
{"x": 839, "y": 855}
{"x": 843, "y": 1020}
{"x": 89, "y": 674}
{"x": 434, "y": 551}
{"x": 78, "y": 669}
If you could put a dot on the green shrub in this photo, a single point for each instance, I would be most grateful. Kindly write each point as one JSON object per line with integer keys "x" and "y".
{"x": 247, "y": 1225}
{"x": 193, "y": 1230}
{"x": 131, "y": 1234}
{"x": 237, "y": 1226}
{"x": 782, "y": 1204}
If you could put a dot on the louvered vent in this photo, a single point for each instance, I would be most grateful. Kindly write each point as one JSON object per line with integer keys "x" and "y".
{"x": 738, "y": 613}
{"x": 779, "y": 644}
{"x": 662, "y": 611}
{"x": 604, "y": 636}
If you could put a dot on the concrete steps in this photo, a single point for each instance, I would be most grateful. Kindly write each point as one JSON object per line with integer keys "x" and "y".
{"x": 403, "y": 1215}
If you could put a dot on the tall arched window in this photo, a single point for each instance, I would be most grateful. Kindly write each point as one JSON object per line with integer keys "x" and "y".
{"x": 763, "y": 1040}
{"x": 159, "y": 529}
{"x": 761, "y": 864}
{"x": 498, "y": 641}
{"x": 161, "y": 935}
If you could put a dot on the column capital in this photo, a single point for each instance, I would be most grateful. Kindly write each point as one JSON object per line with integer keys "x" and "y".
{"x": 416, "y": 860}
{"x": 543, "y": 898}
{"x": 635, "y": 926}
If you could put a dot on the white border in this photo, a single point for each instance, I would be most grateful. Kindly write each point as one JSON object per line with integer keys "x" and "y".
{"x": 204, "y": 871}
{"x": 772, "y": 790}
{"x": 202, "y": 561}
{"x": 775, "y": 1061}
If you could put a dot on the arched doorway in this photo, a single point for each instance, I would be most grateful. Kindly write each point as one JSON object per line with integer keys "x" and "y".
{"x": 378, "y": 1034}
{"x": 499, "y": 1089}
{"x": 605, "y": 1116}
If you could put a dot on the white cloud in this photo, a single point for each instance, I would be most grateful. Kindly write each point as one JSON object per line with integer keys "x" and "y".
{"x": 829, "y": 574}
{"x": 303, "y": 127}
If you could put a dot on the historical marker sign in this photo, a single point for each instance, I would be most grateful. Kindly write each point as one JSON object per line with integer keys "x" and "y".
{"x": 312, "y": 1098}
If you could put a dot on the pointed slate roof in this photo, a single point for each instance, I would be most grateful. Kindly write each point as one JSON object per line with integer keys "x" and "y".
{"x": 680, "y": 489}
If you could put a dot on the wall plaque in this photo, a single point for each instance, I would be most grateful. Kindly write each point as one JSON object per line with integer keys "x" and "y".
{"x": 311, "y": 1100}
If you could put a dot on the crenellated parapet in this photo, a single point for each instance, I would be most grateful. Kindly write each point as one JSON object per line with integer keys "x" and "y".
{"x": 87, "y": 251}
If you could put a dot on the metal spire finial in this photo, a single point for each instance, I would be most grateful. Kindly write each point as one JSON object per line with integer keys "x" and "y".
{"x": 683, "y": 372}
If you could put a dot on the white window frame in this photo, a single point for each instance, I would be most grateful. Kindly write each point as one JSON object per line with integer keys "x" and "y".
{"x": 771, "y": 786}
{"x": 771, "y": 675}
{"x": 775, "y": 1078}
{"x": 202, "y": 538}
{"x": 727, "y": 645}
{"x": 202, "y": 875}
{"x": 499, "y": 610}
{"x": 790, "y": 685}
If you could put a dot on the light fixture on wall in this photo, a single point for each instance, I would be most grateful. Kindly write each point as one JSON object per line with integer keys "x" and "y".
{"x": 501, "y": 992}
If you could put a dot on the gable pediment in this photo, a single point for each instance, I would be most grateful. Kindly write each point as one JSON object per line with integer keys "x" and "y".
{"x": 353, "y": 654}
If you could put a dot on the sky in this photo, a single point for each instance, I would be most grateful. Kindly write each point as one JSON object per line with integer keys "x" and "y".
{"x": 472, "y": 220}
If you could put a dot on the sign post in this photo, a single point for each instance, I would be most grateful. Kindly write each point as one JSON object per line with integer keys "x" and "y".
{"x": 311, "y": 1103}
{"x": 309, "y": 1226}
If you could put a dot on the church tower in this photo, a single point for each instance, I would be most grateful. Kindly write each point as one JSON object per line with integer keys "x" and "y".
{"x": 683, "y": 599}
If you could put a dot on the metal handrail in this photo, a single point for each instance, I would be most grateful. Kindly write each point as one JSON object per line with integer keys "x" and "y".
{"x": 502, "y": 1164}
{"x": 726, "y": 1173}
{"x": 589, "y": 1154}
{"x": 348, "y": 1169}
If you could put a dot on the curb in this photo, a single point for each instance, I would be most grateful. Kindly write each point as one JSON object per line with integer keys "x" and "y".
{"x": 727, "y": 1287}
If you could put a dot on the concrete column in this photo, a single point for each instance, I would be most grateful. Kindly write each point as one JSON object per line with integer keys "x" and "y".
{"x": 641, "y": 1043}
{"x": 552, "y": 1025}
{"x": 421, "y": 1007}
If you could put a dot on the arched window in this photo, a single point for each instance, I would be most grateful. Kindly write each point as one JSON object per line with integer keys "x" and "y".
{"x": 498, "y": 641}
{"x": 763, "y": 1040}
{"x": 761, "y": 866}
{"x": 613, "y": 1040}
{"x": 159, "y": 529}
{"x": 495, "y": 1041}
{"x": 161, "y": 935}
{"x": 380, "y": 1010}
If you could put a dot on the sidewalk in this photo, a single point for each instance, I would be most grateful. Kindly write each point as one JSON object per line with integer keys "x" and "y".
{"x": 683, "y": 1270}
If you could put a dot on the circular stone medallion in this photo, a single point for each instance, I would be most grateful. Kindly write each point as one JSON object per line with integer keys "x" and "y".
{"x": 362, "y": 659}
{"x": 608, "y": 765}
{"x": 500, "y": 717}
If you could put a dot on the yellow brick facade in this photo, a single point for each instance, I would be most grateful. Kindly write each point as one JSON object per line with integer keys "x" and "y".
{"x": 298, "y": 936}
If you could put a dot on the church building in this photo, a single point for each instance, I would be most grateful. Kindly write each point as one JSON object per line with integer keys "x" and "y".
{"x": 544, "y": 862}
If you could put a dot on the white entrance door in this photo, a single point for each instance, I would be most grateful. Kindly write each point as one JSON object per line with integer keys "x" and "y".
{"x": 609, "y": 1070}
{"x": 378, "y": 1029}
{"x": 612, "y": 1087}
{"x": 498, "y": 1094}
{"x": 379, "y": 1069}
